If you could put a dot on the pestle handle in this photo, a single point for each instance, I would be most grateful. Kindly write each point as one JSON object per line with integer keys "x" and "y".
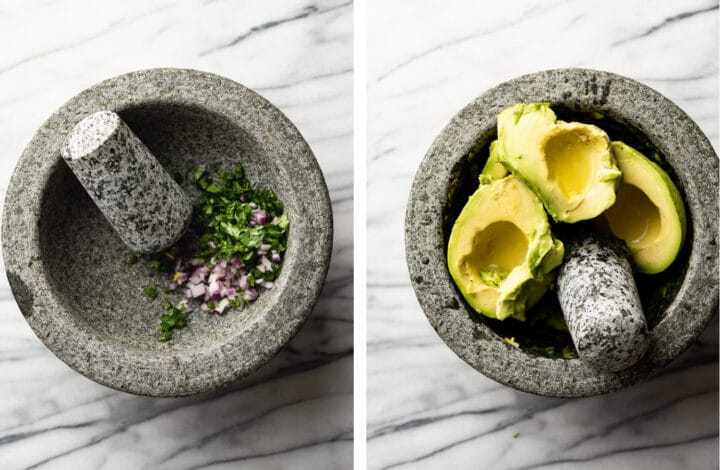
{"x": 142, "y": 202}
{"x": 601, "y": 304}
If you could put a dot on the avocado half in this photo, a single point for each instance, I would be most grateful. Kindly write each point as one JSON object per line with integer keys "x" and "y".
{"x": 501, "y": 251}
{"x": 493, "y": 169}
{"x": 648, "y": 213}
{"x": 568, "y": 165}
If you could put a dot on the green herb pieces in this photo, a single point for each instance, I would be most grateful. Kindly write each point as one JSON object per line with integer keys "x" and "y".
{"x": 151, "y": 291}
{"x": 234, "y": 219}
{"x": 175, "y": 317}
{"x": 569, "y": 353}
{"x": 162, "y": 263}
{"x": 233, "y": 248}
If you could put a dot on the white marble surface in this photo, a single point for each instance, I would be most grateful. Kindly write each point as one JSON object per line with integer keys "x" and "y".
{"x": 297, "y": 411}
{"x": 427, "y": 409}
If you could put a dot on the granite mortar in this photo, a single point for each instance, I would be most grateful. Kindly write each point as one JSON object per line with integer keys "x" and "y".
{"x": 687, "y": 151}
{"x": 69, "y": 271}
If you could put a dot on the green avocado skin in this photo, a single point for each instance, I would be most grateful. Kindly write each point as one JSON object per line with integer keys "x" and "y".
{"x": 651, "y": 179}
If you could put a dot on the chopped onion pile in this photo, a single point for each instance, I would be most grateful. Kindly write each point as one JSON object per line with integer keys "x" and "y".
{"x": 233, "y": 249}
{"x": 221, "y": 283}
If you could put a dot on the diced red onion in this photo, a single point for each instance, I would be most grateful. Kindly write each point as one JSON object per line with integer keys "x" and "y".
{"x": 259, "y": 216}
{"x": 250, "y": 294}
{"x": 265, "y": 263}
{"x": 222, "y": 305}
{"x": 179, "y": 278}
{"x": 197, "y": 290}
{"x": 220, "y": 280}
{"x": 218, "y": 271}
{"x": 213, "y": 288}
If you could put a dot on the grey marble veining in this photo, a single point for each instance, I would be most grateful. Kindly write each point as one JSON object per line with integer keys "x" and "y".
{"x": 296, "y": 412}
{"x": 426, "y": 407}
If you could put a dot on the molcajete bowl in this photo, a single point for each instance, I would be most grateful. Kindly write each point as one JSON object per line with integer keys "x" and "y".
{"x": 678, "y": 303}
{"x": 69, "y": 271}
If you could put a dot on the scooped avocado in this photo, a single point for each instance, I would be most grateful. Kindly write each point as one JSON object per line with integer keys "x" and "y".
{"x": 501, "y": 251}
{"x": 493, "y": 169}
{"x": 568, "y": 164}
{"x": 648, "y": 213}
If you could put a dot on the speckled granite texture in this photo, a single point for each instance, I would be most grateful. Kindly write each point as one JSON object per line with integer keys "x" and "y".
{"x": 142, "y": 202}
{"x": 601, "y": 304}
{"x": 68, "y": 269}
{"x": 620, "y": 100}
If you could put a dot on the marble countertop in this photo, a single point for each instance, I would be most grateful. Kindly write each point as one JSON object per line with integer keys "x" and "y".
{"x": 427, "y": 409}
{"x": 296, "y": 412}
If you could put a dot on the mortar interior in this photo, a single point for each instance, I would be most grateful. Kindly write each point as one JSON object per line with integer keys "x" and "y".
{"x": 88, "y": 264}
{"x": 656, "y": 291}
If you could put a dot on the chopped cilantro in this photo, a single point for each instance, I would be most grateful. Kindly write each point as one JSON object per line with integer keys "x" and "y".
{"x": 151, "y": 291}
{"x": 569, "y": 353}
{"x": 162, "y": 263}
{"x": 231, "y": 219}
{"x": 175, "y": 317}
{"x": 224, "y": 214}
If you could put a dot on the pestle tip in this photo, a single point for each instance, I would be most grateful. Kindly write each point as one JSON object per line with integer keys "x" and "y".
{"x": 89, "y": 134}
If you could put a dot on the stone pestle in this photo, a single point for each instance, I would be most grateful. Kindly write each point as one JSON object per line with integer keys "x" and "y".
{"x": 142, "y": 202}
{"x": 601, "y": 304}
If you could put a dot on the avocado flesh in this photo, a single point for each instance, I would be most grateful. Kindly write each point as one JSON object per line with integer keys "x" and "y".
{"x": 501, "y": 251}
{"x": 567, "y": 164}
{"x": 493, "y": 169}
{"x": 648, "y": 213}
